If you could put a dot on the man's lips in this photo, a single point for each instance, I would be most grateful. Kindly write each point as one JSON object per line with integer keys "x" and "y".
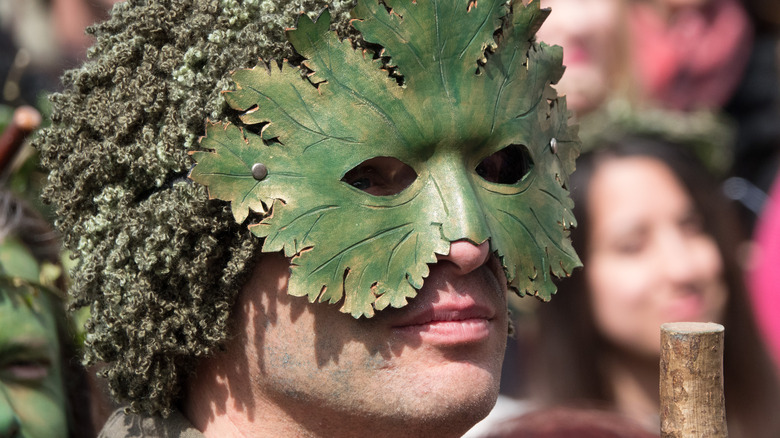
{"x": 447, "y": 313}
{"x": 455, "y": 306}
{"x": 460, "y": 322}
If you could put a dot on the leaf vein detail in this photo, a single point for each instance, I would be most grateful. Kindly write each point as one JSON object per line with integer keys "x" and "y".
{"x": 355, "y": 245}
{"x": 546, "y": 233}
{"x": 396, "y": 247}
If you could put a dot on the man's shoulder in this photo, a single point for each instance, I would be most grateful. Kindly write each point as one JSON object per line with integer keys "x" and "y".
{"x": 128, "y": 425}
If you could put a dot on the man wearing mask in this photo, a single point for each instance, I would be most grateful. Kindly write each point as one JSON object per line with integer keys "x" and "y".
{"x": 332, "y": 257}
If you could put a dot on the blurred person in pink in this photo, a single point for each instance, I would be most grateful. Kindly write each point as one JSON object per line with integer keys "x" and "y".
{"x": 677, "y": 54}
{"x": 765, "y": 272}
{"x": 689, "y": 54}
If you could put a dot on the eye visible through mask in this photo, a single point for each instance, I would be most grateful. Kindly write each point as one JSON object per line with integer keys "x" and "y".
{"x": 507, "y": 166}
{"x": 381, "y": 176}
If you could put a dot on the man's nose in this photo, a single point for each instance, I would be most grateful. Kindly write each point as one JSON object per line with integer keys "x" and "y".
{"x": 467, "y": 256}
{"x": 9, "y": 421}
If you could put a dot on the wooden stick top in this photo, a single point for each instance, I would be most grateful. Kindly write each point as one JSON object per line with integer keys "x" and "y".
{"x": 692, "y": 327}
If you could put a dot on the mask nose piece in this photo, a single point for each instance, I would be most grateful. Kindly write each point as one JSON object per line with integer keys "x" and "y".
{"x": 465, "y": 218}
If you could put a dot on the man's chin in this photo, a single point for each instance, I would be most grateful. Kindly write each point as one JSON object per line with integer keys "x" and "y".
{"x": 460, "y": 386}
{"x": 444, "y": 400}
{"x": 459, "y": 409}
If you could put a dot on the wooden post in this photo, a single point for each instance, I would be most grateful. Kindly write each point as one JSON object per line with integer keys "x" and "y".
{"x": 692, "y": 400}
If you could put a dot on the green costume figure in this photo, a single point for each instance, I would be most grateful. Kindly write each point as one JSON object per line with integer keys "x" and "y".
{"x": 405, "y": 164}
{"x": 32, "y": 398}
{"x": 41, "y": 394}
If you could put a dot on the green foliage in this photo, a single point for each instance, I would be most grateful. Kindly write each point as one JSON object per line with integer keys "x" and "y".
{"x": 464, "y": 97}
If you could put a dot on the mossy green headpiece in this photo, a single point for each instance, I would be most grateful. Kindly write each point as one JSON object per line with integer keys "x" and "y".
{"x": 469, "y": 108}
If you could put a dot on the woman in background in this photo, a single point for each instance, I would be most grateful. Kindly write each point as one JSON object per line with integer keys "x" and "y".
{"x": 659, "y": 244}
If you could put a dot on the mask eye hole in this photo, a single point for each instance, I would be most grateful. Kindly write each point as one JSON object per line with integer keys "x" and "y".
{"x": 381, "y": 176}
{"x": 507, "y": 166}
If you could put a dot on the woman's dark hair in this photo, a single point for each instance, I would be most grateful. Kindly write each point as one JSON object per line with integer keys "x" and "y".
{"x": 19, "y": 220}
{"x": 569, "y": 346}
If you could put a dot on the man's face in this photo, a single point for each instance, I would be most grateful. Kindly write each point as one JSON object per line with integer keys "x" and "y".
{"x": 433, "y": 365}
{"x": 412, "y": 208}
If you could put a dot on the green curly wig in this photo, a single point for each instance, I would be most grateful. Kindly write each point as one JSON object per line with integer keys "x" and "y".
{"x": 117, "y": 155}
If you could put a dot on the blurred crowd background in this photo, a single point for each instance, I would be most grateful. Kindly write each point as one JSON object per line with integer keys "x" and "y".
{"x": 677, "y": 199}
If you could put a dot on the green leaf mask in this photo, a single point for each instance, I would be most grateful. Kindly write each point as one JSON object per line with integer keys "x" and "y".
{"x": 467, "y": 96}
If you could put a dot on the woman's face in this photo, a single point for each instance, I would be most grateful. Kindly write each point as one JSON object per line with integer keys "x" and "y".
{"x": 589, "y": 32}
{"x": 649, "y": 260}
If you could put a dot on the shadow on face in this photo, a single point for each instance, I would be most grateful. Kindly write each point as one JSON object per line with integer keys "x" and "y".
{"x": 324, "y": 369}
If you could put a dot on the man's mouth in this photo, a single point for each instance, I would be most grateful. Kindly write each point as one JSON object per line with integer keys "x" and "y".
{"x": 461, "y": 321}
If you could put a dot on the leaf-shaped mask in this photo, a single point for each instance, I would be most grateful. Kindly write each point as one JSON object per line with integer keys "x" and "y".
{"x": 475, "y": 120}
